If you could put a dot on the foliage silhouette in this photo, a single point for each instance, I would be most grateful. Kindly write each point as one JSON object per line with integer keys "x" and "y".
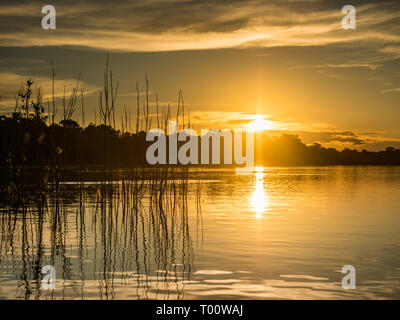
{"x": 27, "y": 140}
{"x": 30, "y": 141}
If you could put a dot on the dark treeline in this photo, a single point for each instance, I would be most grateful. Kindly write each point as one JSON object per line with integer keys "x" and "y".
{"x": 31, "y": 137}
{"x": 288, "y": 150}
{"x": 32, "y": 142}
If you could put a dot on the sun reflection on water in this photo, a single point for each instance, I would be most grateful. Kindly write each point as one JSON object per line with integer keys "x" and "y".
{"x": 259, "y": 199}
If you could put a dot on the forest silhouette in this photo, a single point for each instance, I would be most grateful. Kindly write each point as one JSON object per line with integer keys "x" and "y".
{"x": 30, "y": 141}
{"x": 31, "y": 137}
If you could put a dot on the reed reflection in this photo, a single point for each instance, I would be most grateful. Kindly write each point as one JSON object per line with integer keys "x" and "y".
{"x": 129, "y": 230}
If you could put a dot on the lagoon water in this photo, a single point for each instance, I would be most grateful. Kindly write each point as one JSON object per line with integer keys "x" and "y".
{"x": 267, "y": 233}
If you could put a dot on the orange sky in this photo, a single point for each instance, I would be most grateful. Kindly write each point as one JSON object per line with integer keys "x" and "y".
{"x": 289, "y": 64}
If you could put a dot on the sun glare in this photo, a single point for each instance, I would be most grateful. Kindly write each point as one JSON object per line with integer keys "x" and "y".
{"x": 260, "y": 124}
{"x": 258, "y": 199}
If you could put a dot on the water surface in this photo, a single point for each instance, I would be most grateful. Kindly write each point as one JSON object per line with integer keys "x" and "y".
{"x": 267, "y": 233}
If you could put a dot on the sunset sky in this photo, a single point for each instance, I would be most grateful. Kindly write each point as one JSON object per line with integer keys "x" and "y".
{"x": 289, "y": 62}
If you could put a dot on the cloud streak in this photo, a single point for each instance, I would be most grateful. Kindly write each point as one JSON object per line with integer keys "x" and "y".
{"x": 155, "y": 25}
{"x": 391, "y": 90}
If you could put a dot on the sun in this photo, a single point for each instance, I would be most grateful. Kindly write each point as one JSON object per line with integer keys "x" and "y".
{"x": 260, "y": 124}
